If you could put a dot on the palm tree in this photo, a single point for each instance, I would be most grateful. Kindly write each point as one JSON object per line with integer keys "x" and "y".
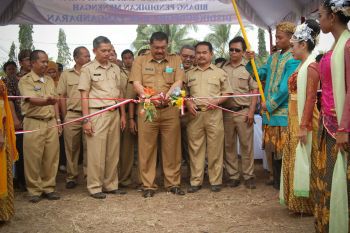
{"x": 177, "y": 35}
{"x": 220, "y": 37}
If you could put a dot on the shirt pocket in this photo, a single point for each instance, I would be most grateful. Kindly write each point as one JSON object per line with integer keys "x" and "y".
{"x": 213, "y": 85}
{"x": 98, "y": 81}
{"x": 192, "y": 87}
{"x": 243, "y": 83}
{"x": 148, "y": 76}
{"x": 169, "y": 75}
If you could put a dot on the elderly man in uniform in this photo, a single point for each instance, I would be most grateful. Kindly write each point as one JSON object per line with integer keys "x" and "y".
{"x": 240, "y": 124}
{"x": 71, "y": 109}
{"x": 101, "y": 79}
{"x": 187, "y": 54}
{"x": 40, "y": 111}
{"x": 205, "y": 128}
{"x": 162, "y": 72}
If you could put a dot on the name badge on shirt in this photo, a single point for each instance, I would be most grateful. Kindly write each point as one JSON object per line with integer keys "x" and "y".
{"x": 169, "y": 70}
{"x": 97, "y": 74}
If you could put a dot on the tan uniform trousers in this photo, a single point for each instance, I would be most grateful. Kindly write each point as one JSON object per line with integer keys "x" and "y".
{"x": 235, "y": 125}
{"x": 206, "y": 136}
{"x": 167, "y": 125}
{"x": 41, "y": 155}
{"x": 103, "y": 152}
{"x": 74, "y": 138}
{"x": 126, "y": 160}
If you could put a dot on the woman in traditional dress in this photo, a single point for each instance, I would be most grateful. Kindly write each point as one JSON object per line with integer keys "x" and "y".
{"x": 301, "y": 149}
{"x": 8, "y": 154}
{"x": 333, "y": 170}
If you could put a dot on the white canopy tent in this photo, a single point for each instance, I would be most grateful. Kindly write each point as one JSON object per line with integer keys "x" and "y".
{"x": 263, "y": 13}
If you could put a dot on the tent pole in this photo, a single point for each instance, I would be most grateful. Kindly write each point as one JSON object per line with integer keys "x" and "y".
{"x": 271, "y": 40}
{"x": 252, "y": 61}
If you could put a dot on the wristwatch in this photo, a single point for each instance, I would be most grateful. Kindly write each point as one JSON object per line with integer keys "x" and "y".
{"x": 86, "y": 120}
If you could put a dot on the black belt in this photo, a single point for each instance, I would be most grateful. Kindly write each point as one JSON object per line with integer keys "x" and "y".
{"x": 76, "y": 111}
{"x": 40, "y": 119}
{"x": 162, "y": 106}
{"x": 103, "y": 108}
{"x": 237, "y": 109}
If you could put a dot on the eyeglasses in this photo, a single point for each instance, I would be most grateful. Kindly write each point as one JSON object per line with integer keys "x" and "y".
{"x": 235, "y": 50}
{"x": 185, "y": 56}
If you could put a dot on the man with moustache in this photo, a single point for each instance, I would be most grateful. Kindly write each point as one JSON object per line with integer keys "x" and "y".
{"x": 40, "y": 111}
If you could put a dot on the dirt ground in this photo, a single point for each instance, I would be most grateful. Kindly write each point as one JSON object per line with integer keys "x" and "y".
{"x": 231, "y": 210}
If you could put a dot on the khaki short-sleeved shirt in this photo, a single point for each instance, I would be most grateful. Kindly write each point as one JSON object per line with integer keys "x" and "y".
{"x": 100, "y": 82}
{"x": 34, "y": 86}
{"x": 68, "y": 86}
{"x": 127, "y": 87}
{"x": 207, "y": 83}
{"x": 240, "y": 82}
{"x": 159, "y": 76}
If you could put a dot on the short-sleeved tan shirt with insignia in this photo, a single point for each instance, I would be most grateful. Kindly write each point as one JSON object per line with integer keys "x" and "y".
{"x": 159, "y": 76}
{"x": 211, "y": 82}
{"x": 68, "y": 86}
{"x": 34, "y": 86}
{"x": 240, "y": 82}
{"x": 100, "y": 82}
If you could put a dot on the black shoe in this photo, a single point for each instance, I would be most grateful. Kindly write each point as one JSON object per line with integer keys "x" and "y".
{"x": 116, "y": 192}
{"x": 276, "y": 186}
{"x": 269, "y": 182}
{"x": 148, "y": 193}
{"x": 177, "y": 191}
{"x": 71, "y": 185}
{"x": 234, "y": 183}
{"x": 99, "y": 195}
{"x": 35, "y": 199}
{"x": 194, "y": 189}
{"x": 51, "y": 196}
{"x": 215, "y": 188}
{"x": 250, "y": 183}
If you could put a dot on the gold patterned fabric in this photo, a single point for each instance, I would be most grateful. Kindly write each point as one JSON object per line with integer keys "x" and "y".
{"x": 7, "y": 209}
{"x": 325, "y": 163}
{"x": 293, "y": 203}
{"x": 274, "y": 140}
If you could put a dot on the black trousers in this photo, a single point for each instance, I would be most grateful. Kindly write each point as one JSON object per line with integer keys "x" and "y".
{"x": 19, "y": 164}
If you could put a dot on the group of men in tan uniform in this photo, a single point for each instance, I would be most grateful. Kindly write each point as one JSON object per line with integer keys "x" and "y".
{"x": 109, "y": 138}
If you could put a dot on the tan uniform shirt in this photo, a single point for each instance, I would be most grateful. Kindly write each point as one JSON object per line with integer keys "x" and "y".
{"x": 100, "y": 82}
{"x": 240, "y": 82}
{"x": 34, "y": 86}
{"x": 127, "y": 87}
{"x": 159, "y": 76}
{"x": 207, "y": 83}
{"x": 68, "y": 86}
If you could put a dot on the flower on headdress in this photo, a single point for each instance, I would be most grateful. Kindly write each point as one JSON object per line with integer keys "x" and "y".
{"x": 303, "y": 33}
{"x": 341, "y": 6}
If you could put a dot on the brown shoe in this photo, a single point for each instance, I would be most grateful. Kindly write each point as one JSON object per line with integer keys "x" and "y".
{"x": 250, "y": 183}
{"x": 116, "y": 192}
{"x": 177, "y": 191}
{"x": 35, "y": 199}
{"x": 148, "y": 193}
{"x": 215, "y": 188}
{"x": 194, "y": 189}
{"x": 99, "y": 195}
{"x": 52, "y": 196}
{"x": 234, "y": 183}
